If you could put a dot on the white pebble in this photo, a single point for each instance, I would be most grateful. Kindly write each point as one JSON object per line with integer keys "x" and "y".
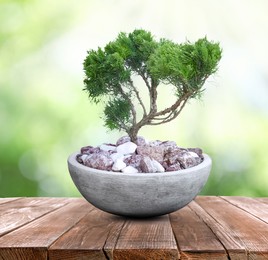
{"x": 189, "y": 155}
{"x": 84, "y": 157}
{"x": 157, "y": 166}
{"x": 129, "y": 169}
{"x": 127, "y": 156}
{"x": 126, "y": 148}
{"x": 105, "y": 147}
{"x": 116, "y": 156}
{"x": 118, "y": 165}
{"x": 147, "y": 141}
{"x": 193, "y": 154}
{"x": 154, "y": 143}
{"x": 147, "y": 165}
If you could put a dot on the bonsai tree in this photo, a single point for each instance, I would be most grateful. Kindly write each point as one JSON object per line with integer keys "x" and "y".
{"x": 110, "y": 72}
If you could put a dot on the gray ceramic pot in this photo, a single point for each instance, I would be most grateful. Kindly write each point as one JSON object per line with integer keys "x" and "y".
{"x": 139, "y": 194}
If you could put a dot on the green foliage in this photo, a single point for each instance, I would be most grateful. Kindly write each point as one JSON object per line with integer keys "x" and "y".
{"x": 117, "y": 114}
{"x": 185, "y": 66}
{"x": 109, "y": 76}
{"x": 105, "y": 73}
{"x": 134, "y": 48}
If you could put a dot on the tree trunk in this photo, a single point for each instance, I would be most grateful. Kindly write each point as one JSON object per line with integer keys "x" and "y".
{"x": 133, "y": 134}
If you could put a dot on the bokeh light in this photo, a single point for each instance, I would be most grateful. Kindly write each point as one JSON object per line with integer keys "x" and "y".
{"x": 45, "y": 115}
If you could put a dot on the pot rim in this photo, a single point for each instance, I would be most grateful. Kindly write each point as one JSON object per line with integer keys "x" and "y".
{"x": 206, "y": 162}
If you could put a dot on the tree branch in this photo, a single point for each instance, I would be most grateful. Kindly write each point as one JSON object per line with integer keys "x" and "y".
{"x": 174, "y": 106}
{"x": 169, "y": 118}
{"x": 133, "y": 110}
{"x": 153, "y": 98}
{"x": 145, "y": 80}
{"x": 122, "y": 125}
{"x": 139, "y": 98}
{"x": 164, "y": 118}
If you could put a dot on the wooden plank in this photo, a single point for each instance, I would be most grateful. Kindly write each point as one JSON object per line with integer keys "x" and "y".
{"x": 5, "y": 200}
{"x": 150, "y": 238}
{"x": 194, "y": 238}
{"x": 34, "y": 238}
{"x": 89, "y": 237}
{"x": 24, "y": 203}
{"x": 20, "y": 212}
{"x": 263, "y": 200}
{"x": 251, "y": 205}
{"x": 22, "y": 254}
{"x": 112, "y": 239}
{"x": 242, "y": 234}
{"x": 233, "y": 248}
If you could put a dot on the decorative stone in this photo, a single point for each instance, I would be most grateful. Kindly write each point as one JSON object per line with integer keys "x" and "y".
{"x": 134, "y": 160}
{"x": 193, "y": 154}
{"x": 147, "y": 165}
{"x": 169, "y": 143}
{"x": 162, "y": 155}
{"x": 116, "y": 156}
{"x": 154, "y": 152}
{"x": 173, "y": 157}
{"x": 84, "y": 157}
{"x": 174, "y": 167}
{"x": 123, "y": 140}
{"x": 154, "y": 143}
{"x": 90, "y": 150}
{"x": 129, "y": 169}
{"x": 188, "y": 160}
{"x": 126, "y": 148}
{"x": 197, "y": 151}
{"x": 100, "y": 161}
{"x": 157, "y": 166}
{"x": 108, "y": 147}
{"x": 140, "y": 141}
{"x": 118, "y": 165}
{"x": 78, "y": 158}
{"x": 168, "y": 146}
{"x": 165, "y": 165}
{"x": 128, "y": 155}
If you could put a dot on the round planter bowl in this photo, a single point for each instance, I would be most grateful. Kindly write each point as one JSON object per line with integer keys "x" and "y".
{"x": 139, "y": 194}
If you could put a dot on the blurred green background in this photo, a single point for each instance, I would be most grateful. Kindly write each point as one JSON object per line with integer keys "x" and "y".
{"x": 45, "y": 115}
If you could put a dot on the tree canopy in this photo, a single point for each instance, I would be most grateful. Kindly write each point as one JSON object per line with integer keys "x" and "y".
{"x": 109, "y": 77}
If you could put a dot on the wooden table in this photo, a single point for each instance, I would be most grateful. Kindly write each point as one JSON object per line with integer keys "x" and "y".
{"x": 71, "y": 228}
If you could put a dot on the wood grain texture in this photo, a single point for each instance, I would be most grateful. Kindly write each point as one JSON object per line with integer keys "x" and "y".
{"x": 35, "y": 237}
{"x": 251, "y": 205}
{"x": 242, "y": 234}
{"x": 16, "y": 213}
{"x": 263, "y": 200}
{"x": 146, "y": 239}
{"x": 88, "y": 237}
{"x": 22, "y": 254}
{"x": 5, "y": 200}
{"x": 71, "y": 228}
{"x": 195, "y": 239}
{"x": 226, "y": 239}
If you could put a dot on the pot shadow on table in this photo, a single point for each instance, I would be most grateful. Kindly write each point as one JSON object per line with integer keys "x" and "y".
{"x": 137, "y": 219}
